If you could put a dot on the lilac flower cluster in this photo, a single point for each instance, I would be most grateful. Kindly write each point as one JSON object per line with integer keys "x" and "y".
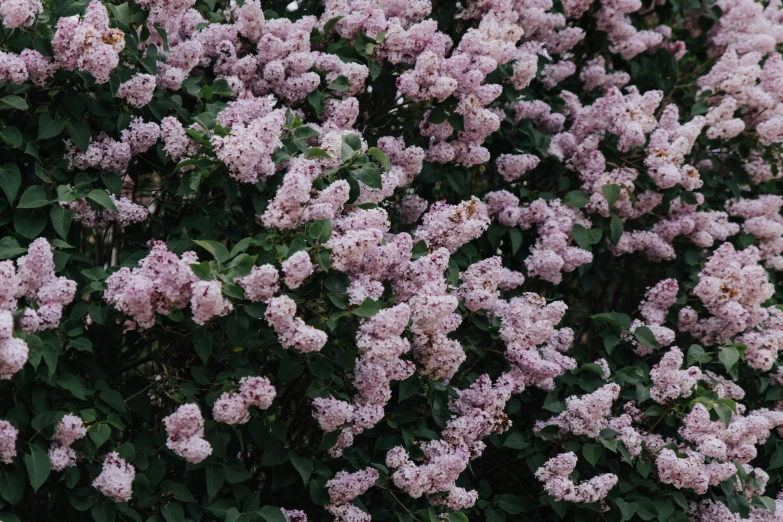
{"x": 101, "y": 220}
{"x": 553, "y": 252}
{"x": 88, "y": 44}
{"x": 764, "y": 222}
{"x": 260, "y": 284}
{"x": 379, "y": 338}
{"x": 19, "y": 13}
{"x": 46, "y": 294}
{"x": 116, "y": 479}
{"x": 68, "y": 430}
{"x": 234, "y": 407}
{"x": 585, "y": 415}
{"x": 657, "y": 301}
{"x": 669, "y": 381}
{"x": 163, "y": 281}
{"x": 345, "y": 487}
{"x": 185, "y": 429}
{"x": 732, "y": 287}
{"x": 8, "y": 436}
{"x": 292, "y": 331}
{"x": 554, "y": 474}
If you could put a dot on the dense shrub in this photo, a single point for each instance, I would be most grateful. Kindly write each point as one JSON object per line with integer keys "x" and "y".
{"x": 393, "y": 260}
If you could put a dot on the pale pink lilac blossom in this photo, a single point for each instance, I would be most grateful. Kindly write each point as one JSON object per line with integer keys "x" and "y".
{"x": 554, "y": 474}
{"x": 669, "y": 381}
{"x": 116, "y": 479}
{"x": 732, "y": 287}
{"x": 8, "y": 435}
{"x": 185, "y": 429}
{"x": 260, "y": 284}
{"x": 68, "y": 430}
{"x": 234, "y": 407}
{"x": 163, "y": 281}
{"x": 292, "y": 331}
{"x": 88, "y": 44}
{"x": 138, "y": 90}
{"x": 297, "y": 269}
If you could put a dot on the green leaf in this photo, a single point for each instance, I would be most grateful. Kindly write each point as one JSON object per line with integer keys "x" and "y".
{"x": 202, "y": 270}
{"x": 114, "y": 399}
{"x": 72, "y": 383}
{"x": 409, "y": 387}
{"x": 218, "y": 250}
{"x": 29, "y": 223}
{"x": 340, "y": 84}
{"x": 627, "y": 509}
{"x": 305, "y": 133}
{"x": 765, "y": 503}
{"x": 99, "y": 433}
{"x": 511, "y": 504}
{"x": 776, "y": 461}
{"x": 102, "y": 198}
{"x": 438, "y": 115}
{"x": 368, "y": 174}
{"x": 215, "y": 479}
{"x": 331, "y": 23}
{"x": 457, "y": 121}
{"x": 368, "y": 308}
{"x": 615, "y": 229}
{"x": 320, "y": 230}
{"x": 12, "y": 136}
{"x": 14, "y": 101}
{"x": 103, "y": 511}
{"x": 221, "y": 88}
{"x": 584, "y": 237}
{"x": 10, "y": 181}
{"x": 516, "y": 240}
{"x": 82, "y": 344}
{"x": 645, "y": 336}
{"x": 382, "y": 158}
{"x": 34, "y": 197}
{"x": 315, "y": 152}
{"x": 492, "y": 515}
{"x": 303, "y": 465}
{"x": 164, "y": 37}
{"x": 235, "y": 471}
{"x": 49, "y": 128}
{"x": 172, "y": 512}
{"x": 271, "y": 514}
{"x": 9, "y": 247}
{"x": 316, "y": 99}
{"x": 592, "y": 453}
{"x": 729, "y": 356}
{"x": 61, "y": 220}
{"x": 80, "y": 134}
{"x": 121, "y": 13}
{"x": 12, "y": 485}
{"x": 515, "y": 441}
{"x": 242, "y": 245}
{"x": 38, "y": 466}
{"x": 576, "y": 199}
{"x": 611, "y": 194}
{"x": 620, "y": 320}
{"x": 353, "y": 141}
{"x": 724, "y": 413}
{"x": 242, "y": 265}
{"x": 593, "y": 367}
{"x": 696, "y": 354}
{"x": 180, "y": 491}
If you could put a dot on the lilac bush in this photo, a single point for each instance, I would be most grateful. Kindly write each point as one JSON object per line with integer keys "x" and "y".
{"x": 393, "y": 260}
